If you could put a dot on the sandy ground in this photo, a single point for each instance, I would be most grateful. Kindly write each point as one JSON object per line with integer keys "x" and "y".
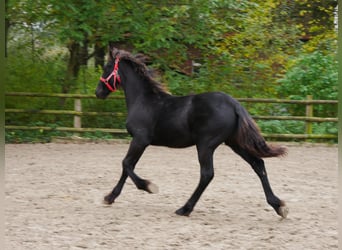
{"x": 54, "y": 198}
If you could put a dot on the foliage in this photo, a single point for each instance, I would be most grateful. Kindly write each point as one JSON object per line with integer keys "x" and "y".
{"x": 43, "y": 74}
{"x": 25, "y": 136}
{"x": 259, "y": 48}
{"x": 295, "y": 127}
{"x": 282, "y": 127}
{"x": 312, "y": 74}
{"x": 242, "y": 45}
{"x": 34, "y": 74}
{"x": 315, "y": 17}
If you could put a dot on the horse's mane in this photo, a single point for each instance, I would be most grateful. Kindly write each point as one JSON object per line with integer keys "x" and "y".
{"x": 140, "y": 68}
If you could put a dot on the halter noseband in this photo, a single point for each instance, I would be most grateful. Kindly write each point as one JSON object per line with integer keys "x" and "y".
{"x": 114, "y": 74}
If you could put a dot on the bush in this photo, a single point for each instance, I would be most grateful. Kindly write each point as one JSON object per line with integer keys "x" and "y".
{"x": 312, "y": 74}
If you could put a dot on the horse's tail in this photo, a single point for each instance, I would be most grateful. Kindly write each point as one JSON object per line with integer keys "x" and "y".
{"x": 249, "y": 138}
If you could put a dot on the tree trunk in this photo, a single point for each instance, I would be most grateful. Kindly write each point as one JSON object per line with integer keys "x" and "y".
{"x": 73, "y": 66}
{"x": 99, "y": 54}
{"x": 78, "y": 56}
{"x": 7, "y": 26}
{"x": 83, "y": 53}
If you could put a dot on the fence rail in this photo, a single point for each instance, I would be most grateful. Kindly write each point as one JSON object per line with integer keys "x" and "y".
{"x": 78, "y": 113}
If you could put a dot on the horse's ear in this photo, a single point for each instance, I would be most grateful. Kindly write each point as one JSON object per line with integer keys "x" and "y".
{"x": 110, "y": 55}
{"x": 110, "y": 45}
{"x": 112, "y": 51}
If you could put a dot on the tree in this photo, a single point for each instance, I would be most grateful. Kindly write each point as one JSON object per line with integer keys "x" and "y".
{"x": 239, "y": 47}
{"x": 242, "y": 46}
{"x": 25, "y": 24}
{"x": 77, "y": 24}
{"x": 258, "y": 47}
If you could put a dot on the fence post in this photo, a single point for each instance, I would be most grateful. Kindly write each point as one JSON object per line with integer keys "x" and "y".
{"x": 77, "y": 118}
{"x": 308, "y": 113}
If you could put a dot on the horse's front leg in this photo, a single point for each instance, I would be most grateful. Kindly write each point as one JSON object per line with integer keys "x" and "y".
{"x": 128, "y": 164}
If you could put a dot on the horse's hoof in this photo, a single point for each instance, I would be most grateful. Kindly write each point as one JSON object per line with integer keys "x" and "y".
{"x": 283, "y": 210}
{"x": 152, "y": 188}
{"x": 108, "y": 200}
{"x": 183, "y": 212}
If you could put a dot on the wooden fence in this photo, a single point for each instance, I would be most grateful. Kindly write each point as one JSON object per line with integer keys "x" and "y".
{"x": 78, "y": 113}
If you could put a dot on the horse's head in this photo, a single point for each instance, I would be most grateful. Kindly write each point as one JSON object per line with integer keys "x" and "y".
{"x": 110, "y": 78}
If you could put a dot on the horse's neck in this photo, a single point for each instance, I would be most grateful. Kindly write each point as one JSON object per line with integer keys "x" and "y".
{"x": 137, "y": 90}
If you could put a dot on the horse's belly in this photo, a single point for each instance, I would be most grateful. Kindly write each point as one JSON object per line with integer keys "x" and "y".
{"x": 172, "y": 138}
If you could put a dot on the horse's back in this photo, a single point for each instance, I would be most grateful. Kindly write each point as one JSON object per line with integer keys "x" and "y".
{"x": 213, "y": 114}
{"x": 184, "y": 121}
{"x": 214, "y": 101}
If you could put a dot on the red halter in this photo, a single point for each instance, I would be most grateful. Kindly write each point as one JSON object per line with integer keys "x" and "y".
{"x": 114, "y": 74}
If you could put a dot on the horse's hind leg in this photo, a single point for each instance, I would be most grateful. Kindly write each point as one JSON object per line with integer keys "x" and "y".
{"x": 259, "y": 168}
{"x": 128, "y": 164}
{"x": 205, "y": 156}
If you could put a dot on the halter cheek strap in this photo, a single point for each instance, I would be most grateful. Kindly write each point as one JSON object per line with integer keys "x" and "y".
{"x": 113, "y": 74}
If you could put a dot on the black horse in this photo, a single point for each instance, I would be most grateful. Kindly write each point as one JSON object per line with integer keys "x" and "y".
{"x": 206, "y": 120}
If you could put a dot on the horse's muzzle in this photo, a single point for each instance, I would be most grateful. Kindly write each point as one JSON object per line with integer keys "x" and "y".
{"x": 100, "y": 92}
{"x": 100, "y": 95}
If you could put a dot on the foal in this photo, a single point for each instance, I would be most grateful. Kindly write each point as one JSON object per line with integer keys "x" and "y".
{"x": 206, "y": 120}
